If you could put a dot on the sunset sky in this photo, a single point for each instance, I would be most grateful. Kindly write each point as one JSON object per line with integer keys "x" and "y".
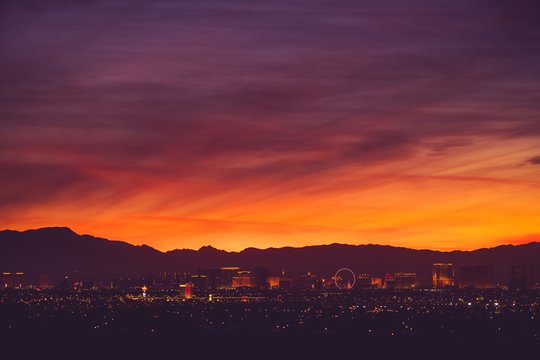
{"x": 242, "y": 123}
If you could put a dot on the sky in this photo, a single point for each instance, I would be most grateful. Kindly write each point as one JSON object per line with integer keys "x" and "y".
{"x": 244, "y": 123}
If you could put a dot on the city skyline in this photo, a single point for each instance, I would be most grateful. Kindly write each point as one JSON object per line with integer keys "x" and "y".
{"x": 257, "y": 273}
{"x": 238, "y": 124}
{"x": 62, "y": 252}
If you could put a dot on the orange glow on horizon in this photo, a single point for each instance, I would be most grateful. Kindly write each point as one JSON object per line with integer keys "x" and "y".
{"x": 473, "y": 199}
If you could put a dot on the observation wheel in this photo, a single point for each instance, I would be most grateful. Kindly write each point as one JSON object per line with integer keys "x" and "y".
{"x": 344, "y": 278}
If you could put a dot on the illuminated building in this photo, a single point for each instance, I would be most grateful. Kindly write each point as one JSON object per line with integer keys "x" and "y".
{"x": 200, "y": 281}
{"x": 522, "y": 277}
{"x": 186, "y": 290}
{"x": 13, "y": 280}
{"x": 243, "y": 279}
{"x": 226, "y": 275}
{"x": 165, "y": 280}
{"x": 272, "y": 281}
{"x": 389, "y": 281}
{"x": 405, "y": 280}
{"x": 304, "y": 281}
{"x": 127, "y": 283}
{"x": 376, "y": 282}
{"x": 144, "y": 289}
{"x": 43, "y": 280}
{"x": 479, "y": 277}
{"x": 443, "y": 275}
{"x": 260, "y": 274}
{"x": 80, "y": 285}
{"x": 363, "y": 281}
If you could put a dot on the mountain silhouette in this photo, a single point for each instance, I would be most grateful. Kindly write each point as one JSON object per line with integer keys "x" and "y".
{"x": 62, "y": 252}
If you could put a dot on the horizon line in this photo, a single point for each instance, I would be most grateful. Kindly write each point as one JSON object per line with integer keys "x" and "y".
{"x": 268, "y": 248}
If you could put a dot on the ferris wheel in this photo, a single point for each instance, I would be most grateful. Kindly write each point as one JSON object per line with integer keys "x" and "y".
{"x": 344, "y": 278}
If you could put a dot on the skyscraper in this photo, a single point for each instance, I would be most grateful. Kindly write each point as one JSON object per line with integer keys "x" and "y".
{"x": 13, "y": 280}
{"x": 363, "y": 281}
{"x": 260, "y": 274}
{"x": 43, "y": 280}
{"x": 479, "y": 277}
{"x": 186, "y": 290}
{"x": 273, "y": 281}
{"x": 201, "y": 281}
{"x": 405, "y": 280}
{"x": 243, "y": 279}
{"x": 443, "y": 275}
{"x": 389, "y": 281}
{"x": 522, "y": 277}
{"x": 226, "y": 274}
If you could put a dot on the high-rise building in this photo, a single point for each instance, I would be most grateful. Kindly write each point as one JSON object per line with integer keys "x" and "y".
{"x": 522, "y": 277}
{"x": 363, "y": 281}
{"x": 405, "y": 280}
{"x": 304, "y": 281}
{"x": 186, "y": 290}
{"x": 43, "y": 280}
{"x": 226, "y": 275}
{"x": 200, "y": 281}
{"x": 443, "y": 275}
{"x": 389, "y": 281}
{"x": 479, "y": 277}
{"x": 243, "y": 279}
{"x": 13, "y": 280}
{"x": 273, "y": 281}
{"x": 127, "y": 283}
{"x": 376, "y": 282}
{"x": 260, "y": 274}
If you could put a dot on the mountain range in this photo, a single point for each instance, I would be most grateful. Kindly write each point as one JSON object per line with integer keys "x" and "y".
{"x": 62, "y": 252}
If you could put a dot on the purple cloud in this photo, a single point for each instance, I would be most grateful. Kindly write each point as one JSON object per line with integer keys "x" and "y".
{"x": 195, "y": 88}
{"x": 535, "y": 160}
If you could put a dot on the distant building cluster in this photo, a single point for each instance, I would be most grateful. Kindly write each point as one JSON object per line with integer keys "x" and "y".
{"x": 481, "y": 276}
{"x": 444, "y": 275}
{"x": 233, "y": 277}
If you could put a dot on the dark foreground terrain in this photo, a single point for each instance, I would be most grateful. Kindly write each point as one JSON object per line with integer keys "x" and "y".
{"x": 384, "y": 323}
